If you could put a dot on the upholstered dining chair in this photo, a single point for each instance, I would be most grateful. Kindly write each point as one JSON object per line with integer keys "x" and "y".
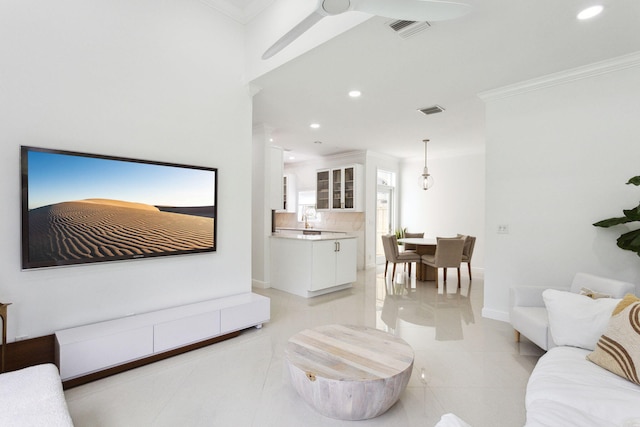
{"x": 409, "y": 246}
{"x": 448, "y": 255}
{"x": 392, "y": 254}
{"x": 467, "y": 251}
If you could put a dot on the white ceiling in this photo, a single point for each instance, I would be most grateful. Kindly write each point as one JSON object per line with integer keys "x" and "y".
{"x": 499, "y": 43}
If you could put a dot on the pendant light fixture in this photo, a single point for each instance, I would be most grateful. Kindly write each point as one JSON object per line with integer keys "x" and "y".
{"x": 426, "y": 180}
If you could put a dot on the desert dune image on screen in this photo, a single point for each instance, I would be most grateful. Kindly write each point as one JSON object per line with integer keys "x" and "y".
{"x": 86, "y": 209}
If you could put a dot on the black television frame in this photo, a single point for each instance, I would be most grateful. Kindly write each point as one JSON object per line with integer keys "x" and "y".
{"x": 195, "y": 218}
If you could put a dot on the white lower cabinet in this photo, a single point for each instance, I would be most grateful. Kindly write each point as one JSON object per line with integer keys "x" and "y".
{"x": 313, "y": 265}
{"x": 333, "y": 263}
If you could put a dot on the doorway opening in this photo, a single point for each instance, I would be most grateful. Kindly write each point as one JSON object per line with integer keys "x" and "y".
{"x": 385, "y": 212}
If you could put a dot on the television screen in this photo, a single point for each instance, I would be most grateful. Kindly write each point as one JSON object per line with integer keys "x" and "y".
{"x": 80, "y": 208}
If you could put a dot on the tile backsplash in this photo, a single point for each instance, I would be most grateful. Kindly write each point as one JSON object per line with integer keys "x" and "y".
{"x": 331, "y": 221}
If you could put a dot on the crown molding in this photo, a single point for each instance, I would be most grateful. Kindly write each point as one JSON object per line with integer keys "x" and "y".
{"x": 597, "y": 68}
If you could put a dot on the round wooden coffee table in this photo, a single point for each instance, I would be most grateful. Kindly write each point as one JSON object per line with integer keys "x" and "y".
{"x": 348, "y": 372}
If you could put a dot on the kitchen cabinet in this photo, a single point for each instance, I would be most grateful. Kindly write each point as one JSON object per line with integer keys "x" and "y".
{"x": 310, "y": 265}
{"x": 322, "y": 190}
{"x": 289, "y": 194}
{"x": 333, "y": 264}
{"x": 340, "y": 189}
{"x": 275, "y": 169}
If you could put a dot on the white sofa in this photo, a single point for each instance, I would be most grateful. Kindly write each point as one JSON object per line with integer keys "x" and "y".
{"x": 33, "y": 397}
{"x": 528, "y": 313}
{"x": 565, "y": 389}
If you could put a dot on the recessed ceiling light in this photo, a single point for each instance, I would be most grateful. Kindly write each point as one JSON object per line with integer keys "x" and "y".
{"x": 355, "y": 93}
{"x": 590, "y": 12}
{"x": 314, "y": 125}
{"x": 292, "y": 157}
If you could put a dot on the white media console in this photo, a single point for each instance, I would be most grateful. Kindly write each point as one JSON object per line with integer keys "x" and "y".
{"x": 91, "y": 348}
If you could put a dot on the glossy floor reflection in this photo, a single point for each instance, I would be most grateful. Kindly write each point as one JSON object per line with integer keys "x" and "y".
{"x": 464, "y": 364}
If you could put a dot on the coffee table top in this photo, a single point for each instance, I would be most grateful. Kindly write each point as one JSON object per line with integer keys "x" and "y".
{"x": 344, "y": 352}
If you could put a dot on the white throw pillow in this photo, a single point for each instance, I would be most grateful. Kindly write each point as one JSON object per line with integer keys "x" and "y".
{"x": 577, "y": 320}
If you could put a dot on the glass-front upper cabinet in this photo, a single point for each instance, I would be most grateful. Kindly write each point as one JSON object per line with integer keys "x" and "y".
{"x": 322, "y": 190}
{"x": 289, "y": 194}
{"x": 344, "y": 184}
{"x": 349, "y": 188}
{"x": 336, "y": 189}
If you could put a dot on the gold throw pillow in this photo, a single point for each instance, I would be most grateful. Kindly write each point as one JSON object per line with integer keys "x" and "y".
{"x": 618, "y": 350}
{"x": 593, "y": 294}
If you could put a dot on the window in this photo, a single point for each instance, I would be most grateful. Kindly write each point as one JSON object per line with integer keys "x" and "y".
{"x": 307, "y": 207}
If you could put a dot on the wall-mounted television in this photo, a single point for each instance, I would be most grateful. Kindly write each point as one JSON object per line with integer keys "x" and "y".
{"x": 80, "y": 208}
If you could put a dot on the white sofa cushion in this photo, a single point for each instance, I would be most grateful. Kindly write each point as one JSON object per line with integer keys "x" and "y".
{"x": 33, "y": 397}
{"x": 565, "y": 389}
{"x": 577, "y": 320}
{"x": 451, "y": 420}
{"x": 547, "y": 413}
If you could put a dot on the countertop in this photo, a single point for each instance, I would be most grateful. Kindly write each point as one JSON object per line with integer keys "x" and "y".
{"x": 313, "y": 237}
{"x": 321, "y": 230}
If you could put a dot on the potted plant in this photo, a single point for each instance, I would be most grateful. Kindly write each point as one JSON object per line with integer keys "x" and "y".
{"x": 629, "y": 241}
{"x": 400, "y": 235}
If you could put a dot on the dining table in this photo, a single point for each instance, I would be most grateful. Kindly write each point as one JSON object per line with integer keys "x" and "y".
{"x": 424, "y": 246}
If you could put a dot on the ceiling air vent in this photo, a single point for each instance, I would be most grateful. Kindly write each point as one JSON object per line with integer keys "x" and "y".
{"x": 431, "y": 110}
{"x": 406, "y": 29}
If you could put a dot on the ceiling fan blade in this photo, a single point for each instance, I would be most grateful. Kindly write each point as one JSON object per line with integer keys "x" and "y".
{"x": 293, "y": 34}
{"x": 412, "y": 10}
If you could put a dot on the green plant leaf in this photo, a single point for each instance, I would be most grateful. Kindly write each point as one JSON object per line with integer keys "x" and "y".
{"x": 635, "y": 180}
{"x": 632, "y": 214}
{"x": 630, "y": 241}
{"x": 613, "y": 221}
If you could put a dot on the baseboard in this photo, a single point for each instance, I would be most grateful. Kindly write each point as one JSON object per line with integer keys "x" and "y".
{"x": 259, "y": 284}
{"x": 502, "y": 316}
{"x": 476, "y": 271}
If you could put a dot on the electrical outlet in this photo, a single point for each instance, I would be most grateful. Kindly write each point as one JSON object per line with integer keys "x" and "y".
{"x": 503, "y": 229}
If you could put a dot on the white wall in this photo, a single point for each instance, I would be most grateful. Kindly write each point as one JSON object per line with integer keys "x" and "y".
{"x": 559, "y": 151}
{"x": 455, "y": 203}
{"x": 260, "y": 227}
{"x": 156, "y": 80}
{"x": 267, "y": 172}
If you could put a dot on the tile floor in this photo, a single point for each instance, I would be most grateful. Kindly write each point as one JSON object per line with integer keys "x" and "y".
{"x": 464, "y": 364}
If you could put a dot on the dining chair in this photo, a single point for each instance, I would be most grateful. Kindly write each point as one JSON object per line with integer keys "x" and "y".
{"x": 448, "y": 255}
{"x": 392, "y": 254}
{"x": 467, "y": 251}
{"x": 409, "y": 246}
